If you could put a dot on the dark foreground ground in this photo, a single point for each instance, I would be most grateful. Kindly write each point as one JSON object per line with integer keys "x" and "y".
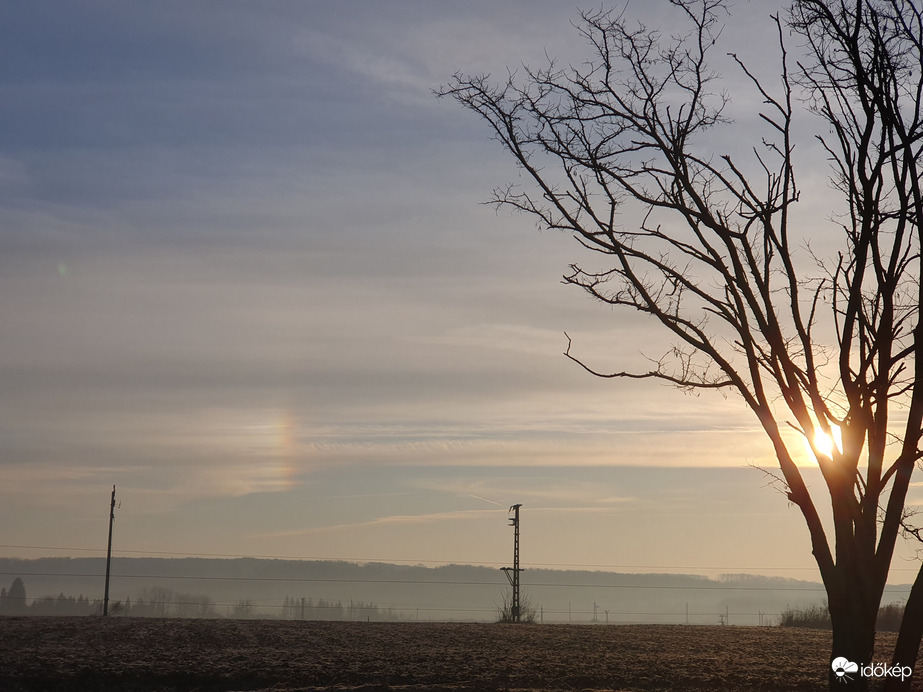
{"x": 134, "y": 654}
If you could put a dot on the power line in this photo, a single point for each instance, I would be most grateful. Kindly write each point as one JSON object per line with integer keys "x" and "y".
{"x": 392, "y": 608}
{"x": 449, "y": 582}
{"x": 537, "y": 565}
{"x": 252, "y": 556}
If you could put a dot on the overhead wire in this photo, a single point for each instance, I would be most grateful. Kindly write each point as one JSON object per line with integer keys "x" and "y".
{"x": 446, "y": 582}
{"x": 410, "y": 561}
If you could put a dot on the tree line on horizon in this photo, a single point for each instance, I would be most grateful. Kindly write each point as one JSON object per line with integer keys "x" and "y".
{"x": 14, "y": 602}
{"x": 164, "y": 602}
{"x": 298, "y": 608}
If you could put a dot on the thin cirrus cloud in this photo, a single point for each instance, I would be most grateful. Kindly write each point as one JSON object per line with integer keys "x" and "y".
{"x": 404, "y": 519}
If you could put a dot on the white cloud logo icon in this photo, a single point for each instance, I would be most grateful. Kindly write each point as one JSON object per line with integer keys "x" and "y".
{"x": 842, "y": 666}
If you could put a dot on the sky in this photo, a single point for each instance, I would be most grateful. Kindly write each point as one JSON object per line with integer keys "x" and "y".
{"x": 246, "y": 276}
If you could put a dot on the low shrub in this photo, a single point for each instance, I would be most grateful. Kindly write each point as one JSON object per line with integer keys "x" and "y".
{"x": 818, "y": 617}
{"x": 815, "y": 617}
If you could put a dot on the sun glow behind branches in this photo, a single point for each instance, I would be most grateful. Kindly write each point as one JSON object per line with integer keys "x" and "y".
{"x": 826, "y": 444}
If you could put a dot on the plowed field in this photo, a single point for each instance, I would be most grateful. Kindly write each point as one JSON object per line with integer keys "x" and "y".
{"x": 133, "y": 654}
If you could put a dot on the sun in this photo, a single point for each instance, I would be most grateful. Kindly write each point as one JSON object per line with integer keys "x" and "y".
{"x": 827, "y": 444}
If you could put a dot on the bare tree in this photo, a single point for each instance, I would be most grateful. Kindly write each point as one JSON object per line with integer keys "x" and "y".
{"x": 717, "y": 257}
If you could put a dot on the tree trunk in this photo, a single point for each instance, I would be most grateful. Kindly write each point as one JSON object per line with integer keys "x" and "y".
{"x": 909, "y": 637}
{"x": 853, "y": 637}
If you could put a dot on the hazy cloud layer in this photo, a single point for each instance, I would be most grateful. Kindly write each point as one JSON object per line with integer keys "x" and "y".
{"x": 244, "y": 271}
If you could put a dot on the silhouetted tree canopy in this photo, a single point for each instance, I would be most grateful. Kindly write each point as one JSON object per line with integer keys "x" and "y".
{"x": 711, "y": 244}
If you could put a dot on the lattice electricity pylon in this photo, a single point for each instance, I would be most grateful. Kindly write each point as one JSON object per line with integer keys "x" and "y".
{"x": 512, "y": 573}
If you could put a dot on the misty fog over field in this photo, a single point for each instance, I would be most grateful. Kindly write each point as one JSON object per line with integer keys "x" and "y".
{"x": 258, "y": 588}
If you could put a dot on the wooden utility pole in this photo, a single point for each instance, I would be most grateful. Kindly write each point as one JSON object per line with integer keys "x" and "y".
{"x": 514, "y": 577}
{"x": 109, "y": 553}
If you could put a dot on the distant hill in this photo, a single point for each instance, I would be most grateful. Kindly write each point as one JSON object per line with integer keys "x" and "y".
{"x": 275, "y": 588}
